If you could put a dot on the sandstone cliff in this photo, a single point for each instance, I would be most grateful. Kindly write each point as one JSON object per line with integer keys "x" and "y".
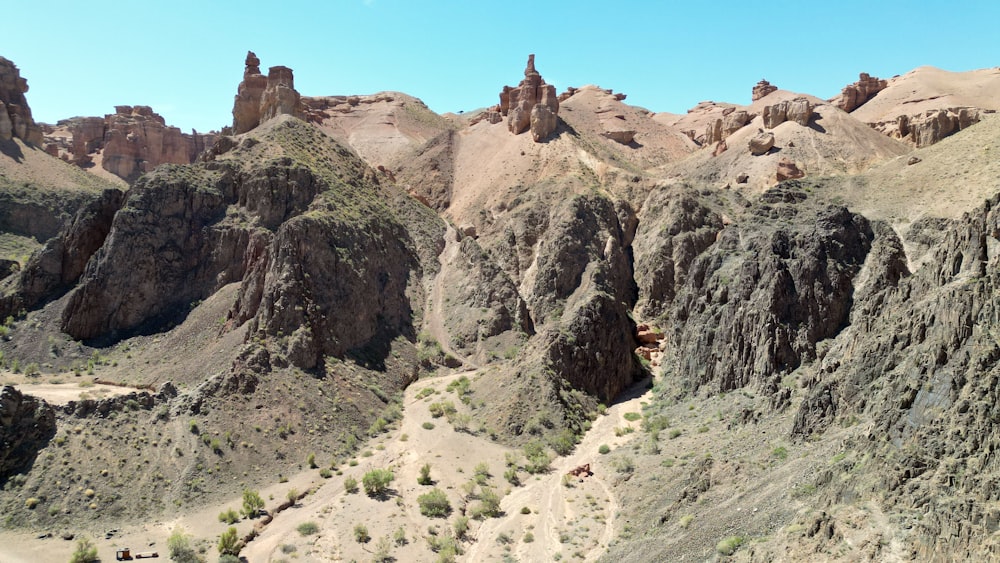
{"x": 15, "y": 115}
{"x": 532, "y": 104}
{"x": 260, "y": 98}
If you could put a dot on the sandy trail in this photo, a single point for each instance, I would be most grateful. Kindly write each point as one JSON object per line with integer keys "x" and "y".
{"x": 563, "y": 518}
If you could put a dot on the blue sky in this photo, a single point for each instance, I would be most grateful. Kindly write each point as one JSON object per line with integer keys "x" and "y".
{"x": 185, "y": 58}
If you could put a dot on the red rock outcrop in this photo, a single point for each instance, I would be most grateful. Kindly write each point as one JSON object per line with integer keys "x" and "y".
{"x": 762, "y": 89}
{"x": 787, "y": 170}
{"x": 855, "y": 95}
{"x": 15, "y": 115}
{"x": 532, "y": 104}
{"x": 133, "y": 140}
{"x": 259, "y": 98}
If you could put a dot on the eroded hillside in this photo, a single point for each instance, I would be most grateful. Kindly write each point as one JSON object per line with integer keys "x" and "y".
{"x": 808, "y": 295}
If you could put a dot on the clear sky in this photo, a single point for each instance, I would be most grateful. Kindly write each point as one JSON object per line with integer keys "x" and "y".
{"x": 185, "y": 57}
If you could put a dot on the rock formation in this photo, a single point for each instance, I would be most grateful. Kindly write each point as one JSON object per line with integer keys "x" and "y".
{"x": 259, "y": 98}
{"x": 799, "y": 110}
{"x": 762, "y": 89}
{"x": 855, "y": 95}
{"x": 15, "y": 115}
{"x": 733, "y": 120}
{"x": 532, "y": 104}
{"x": 927, "y": 128}
{"x": 132, "y": 141}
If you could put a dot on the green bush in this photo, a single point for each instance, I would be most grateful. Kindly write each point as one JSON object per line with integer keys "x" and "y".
{"x": 179, "y": 547}
{"x": 252, "y": 504}
{"x": 425, "y": 475}
{"x": 461, "y": 527}
{"x": 229, "y": 543}
{"x": 307, "y": 528}
{"x": 537, "y": 459}
{"x": 632, "y": 416}
{"x": 376, "y": 482}
{"x": 729, "y": 545}
{"x": 434, "y": 503}
{"x": 604, "y": 449}
{"x": 350, "y": 485}
{"x": 489, "y": 505}
{"x": 428, "y": 425}
{"x": 229, "y": 516}
{"x": 361, "y": 534}
{"x": 85, "y": 551}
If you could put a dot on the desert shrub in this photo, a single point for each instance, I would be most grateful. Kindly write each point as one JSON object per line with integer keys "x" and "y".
{"x": 179, "y": 547}
{"x": 511, "y": 476}
{"x": 382, "y": 549}
{"x": 31, "y": 503}
{"x": 425, "y": 475}
{"x": 489, "y": 505}
{"x": 443, "y": 408}
{"x": 288, "y": 548}
{"x": 428, "y": 425}
{"x": 603, "y": 449}
{"x": 536, "y": 458}
{"x": 434, "y": 503}
{"x": 528, "y": 537}
{"x": 292, "y": 496}
{"x": 728, "y": 546}
{"x": 564, "y": 442}
{"x": 481, "y": 473}
{"x": 229, "y": 543}
{"x": 685, "y": 521}
{"x": 311, "y": 460}
{"x": 361, "y": 534}
{"x": 399, "y": 537}
{"x": 85, "y": 551}
{"x": 780, "y": 453}
{"x": 229, "y": 516}
{"x": 350, "y": 485}
{"x": 325, "y": 473}
{"x": 624, "y": 464}
{"x": 252, "y": 503}
{"x": 307, "y": 528}
{"x": 525, "y": 510}
{"x": 461, "y": 526}
{"x": 376, "y": 482}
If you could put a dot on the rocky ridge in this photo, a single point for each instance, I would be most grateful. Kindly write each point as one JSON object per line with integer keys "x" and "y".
{"x": 130, "y": 142}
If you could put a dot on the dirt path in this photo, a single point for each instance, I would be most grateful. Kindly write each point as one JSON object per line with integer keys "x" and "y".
{"x": 575, "y": 518}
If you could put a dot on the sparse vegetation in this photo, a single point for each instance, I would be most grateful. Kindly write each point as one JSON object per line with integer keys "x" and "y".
{"x": 603, "y": 449}
{"x": 229, "y": 516}
{"x": 728, "y": 546}
{"x": 350, "y": 485}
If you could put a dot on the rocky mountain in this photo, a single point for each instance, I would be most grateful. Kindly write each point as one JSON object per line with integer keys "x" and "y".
{"x": 808, "y": 289}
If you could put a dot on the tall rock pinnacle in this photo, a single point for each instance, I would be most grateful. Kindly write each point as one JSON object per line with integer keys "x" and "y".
{"x": 533, "y": 104}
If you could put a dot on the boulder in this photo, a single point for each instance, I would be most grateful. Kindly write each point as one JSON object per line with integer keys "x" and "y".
{"x": 725, "y": 126}
{"x": 761, "y": 143}
{"x": 518, "y": 104}
{"x": 620, "y": 136}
